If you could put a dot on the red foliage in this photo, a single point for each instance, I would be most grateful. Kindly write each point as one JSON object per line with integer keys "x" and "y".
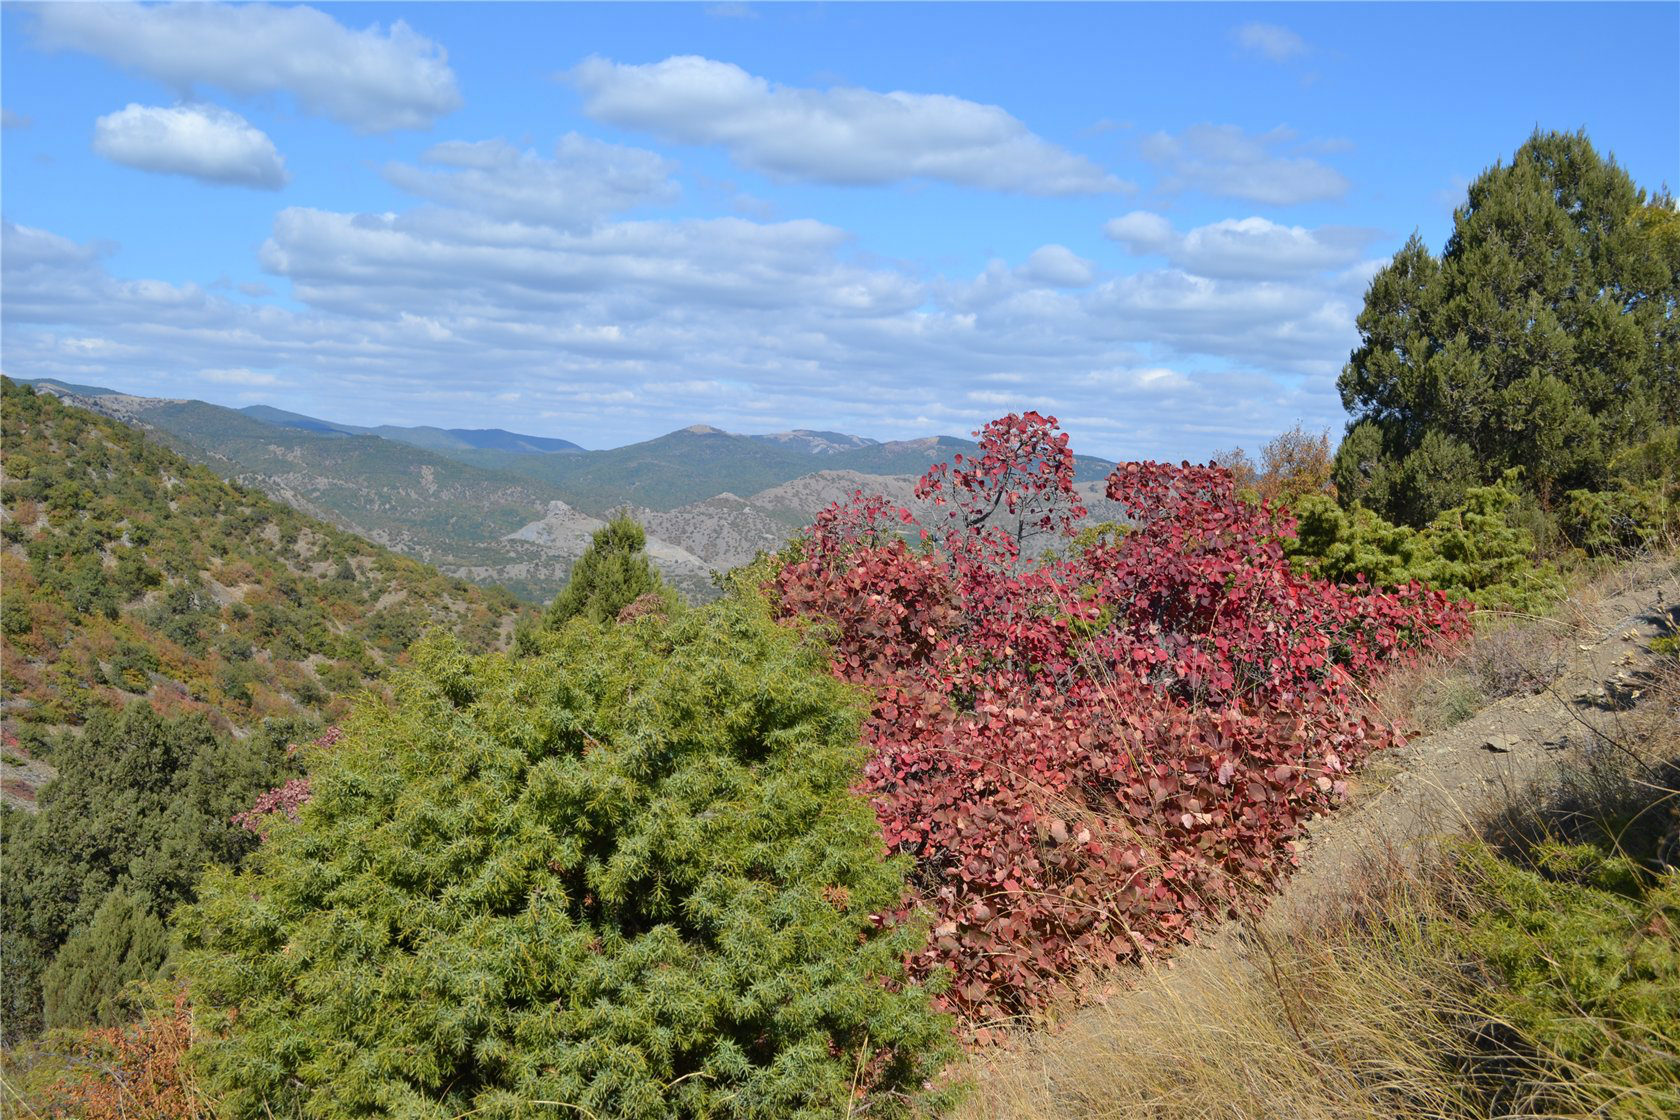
{"x": 1021, "y": 485}
{"x": 1089, "y": 757}
{"x": 287, "y": 798}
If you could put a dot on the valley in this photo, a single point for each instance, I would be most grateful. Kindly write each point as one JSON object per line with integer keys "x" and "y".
{"x": 515, "y": 511}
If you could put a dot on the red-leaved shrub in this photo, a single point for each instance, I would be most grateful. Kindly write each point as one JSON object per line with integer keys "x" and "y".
{"x": 289, "y": 797}
{"x": 1090, "y": 755}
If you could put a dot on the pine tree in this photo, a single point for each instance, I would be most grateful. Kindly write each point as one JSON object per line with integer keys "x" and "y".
{"x": 627, "y": 877}
{"x": 1541, "y": 338}
{"x": 84, "y": 984}
{"x": 141, "y": 805}
{"x": 613, "y": 572}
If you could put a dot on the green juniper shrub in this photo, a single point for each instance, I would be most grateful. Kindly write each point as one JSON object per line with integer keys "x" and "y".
{"x": 1473, "y": 551}
{"x": 85, "y": 984}
{"x": 141, "y": 805}
{"x": 624, "y": 875}
{"x": 613, "y": 572}
{"x": 1642, "y": 506}
{"x": 1578, "y": 948}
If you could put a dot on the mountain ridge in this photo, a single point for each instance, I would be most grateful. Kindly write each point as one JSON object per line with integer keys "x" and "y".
{"x": 710, "y": 499}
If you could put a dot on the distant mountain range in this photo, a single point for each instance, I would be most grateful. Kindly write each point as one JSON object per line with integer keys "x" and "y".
{"x": 433, "y": 439}
{"x": 501, "y": 507}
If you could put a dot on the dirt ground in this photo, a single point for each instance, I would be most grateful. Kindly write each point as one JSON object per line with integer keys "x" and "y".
{"x": 1440, "y": 783}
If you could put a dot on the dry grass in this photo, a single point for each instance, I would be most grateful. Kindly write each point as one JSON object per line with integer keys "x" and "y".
{"x": 1359, "y": 1012}
{"x": 1512, "y": 654}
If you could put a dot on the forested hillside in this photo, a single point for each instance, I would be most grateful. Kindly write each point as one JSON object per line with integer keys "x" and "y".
{"x": 168, "y": 639}
{"x": 130, "y": 572}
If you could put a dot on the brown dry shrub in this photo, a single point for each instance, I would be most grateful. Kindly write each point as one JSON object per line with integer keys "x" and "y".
{"x": 653, "y": 603}
{"x": 1292, "y": 465}
{"x": 136, "y": 1072}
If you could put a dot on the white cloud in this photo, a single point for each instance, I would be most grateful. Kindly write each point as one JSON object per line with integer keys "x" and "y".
{"x": 622, "y": 328}
{"x": 238, "y": 377}
{"x": 1251, "y": 248}
{"x": 374, "y": 80}
{"x": 1142, "y": 231}
{"x": 203, "y": 142}
{"x": 1058, "y": 266}
{"x": 843, "y": 135}
{"x": 1224, "y": 160}
{"x": 587, "y": 180}
{"x": 1276, "y": 43}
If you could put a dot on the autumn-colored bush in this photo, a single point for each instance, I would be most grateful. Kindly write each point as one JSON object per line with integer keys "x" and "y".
{"x": 135, "y": 1072}
{"x": 1292, "y": 466}
{"x": 1089, "y": 755}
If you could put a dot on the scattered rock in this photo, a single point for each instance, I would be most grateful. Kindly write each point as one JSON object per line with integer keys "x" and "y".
{"x": 1501, "y": 744}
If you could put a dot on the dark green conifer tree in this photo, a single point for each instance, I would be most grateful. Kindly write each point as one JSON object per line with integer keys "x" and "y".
{"x": 1542, "y": 338}
{"x": 624, "y": 878}
{"x": 85, "y": 983}
{"x": 610, "y": 575}
{"x": 141, "y": 804}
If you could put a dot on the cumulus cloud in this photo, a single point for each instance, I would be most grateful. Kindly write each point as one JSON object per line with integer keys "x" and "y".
{"x": 1252, "y": 248}
{"x": 585, "y": 181}
{"x": 1271, "y": 41}
{"x": 1142, "y": 231}
{"x": 1226, "y": 161}
{"x": 616, "y": 328}
{"x": 843, "y": 135}
{"x": 1058, "y": 266}
{"x": 373, "y": 80}
{"x": 203, "y": 142}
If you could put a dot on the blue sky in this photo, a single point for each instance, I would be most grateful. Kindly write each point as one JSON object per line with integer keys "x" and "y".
{"x": 606, "y": 222}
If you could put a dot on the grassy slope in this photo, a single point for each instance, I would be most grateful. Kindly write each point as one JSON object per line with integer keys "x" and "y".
{"x": 128, "y": 570}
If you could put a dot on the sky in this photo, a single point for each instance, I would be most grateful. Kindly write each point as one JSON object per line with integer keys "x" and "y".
{"x": 605, "y": 222}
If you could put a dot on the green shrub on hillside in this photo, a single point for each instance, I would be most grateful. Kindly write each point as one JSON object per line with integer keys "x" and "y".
{"x": 141, "y": 806}
{"x": 84, "y": 985}
{"x": 1581, "y": 956}
{"x": 613, "y": 572}
{"x": 1473, "y": 551}
{"x": 1641, "y": 509}
{"x": 624, "y": 876}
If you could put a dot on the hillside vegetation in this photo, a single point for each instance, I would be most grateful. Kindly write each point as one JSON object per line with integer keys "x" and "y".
{"x": 131, "y": 572}
{"x": 165, "y": 638}
{"x": 1542, "y": 339}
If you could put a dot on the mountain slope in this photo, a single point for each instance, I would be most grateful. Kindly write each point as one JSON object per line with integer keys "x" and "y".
{"x": 430, "y": 438}
{"x": 493, "y": 507}
{"x": 129, "y": 571}
{"x": 445, "y": 512}
{"x": 684, "y": 466}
